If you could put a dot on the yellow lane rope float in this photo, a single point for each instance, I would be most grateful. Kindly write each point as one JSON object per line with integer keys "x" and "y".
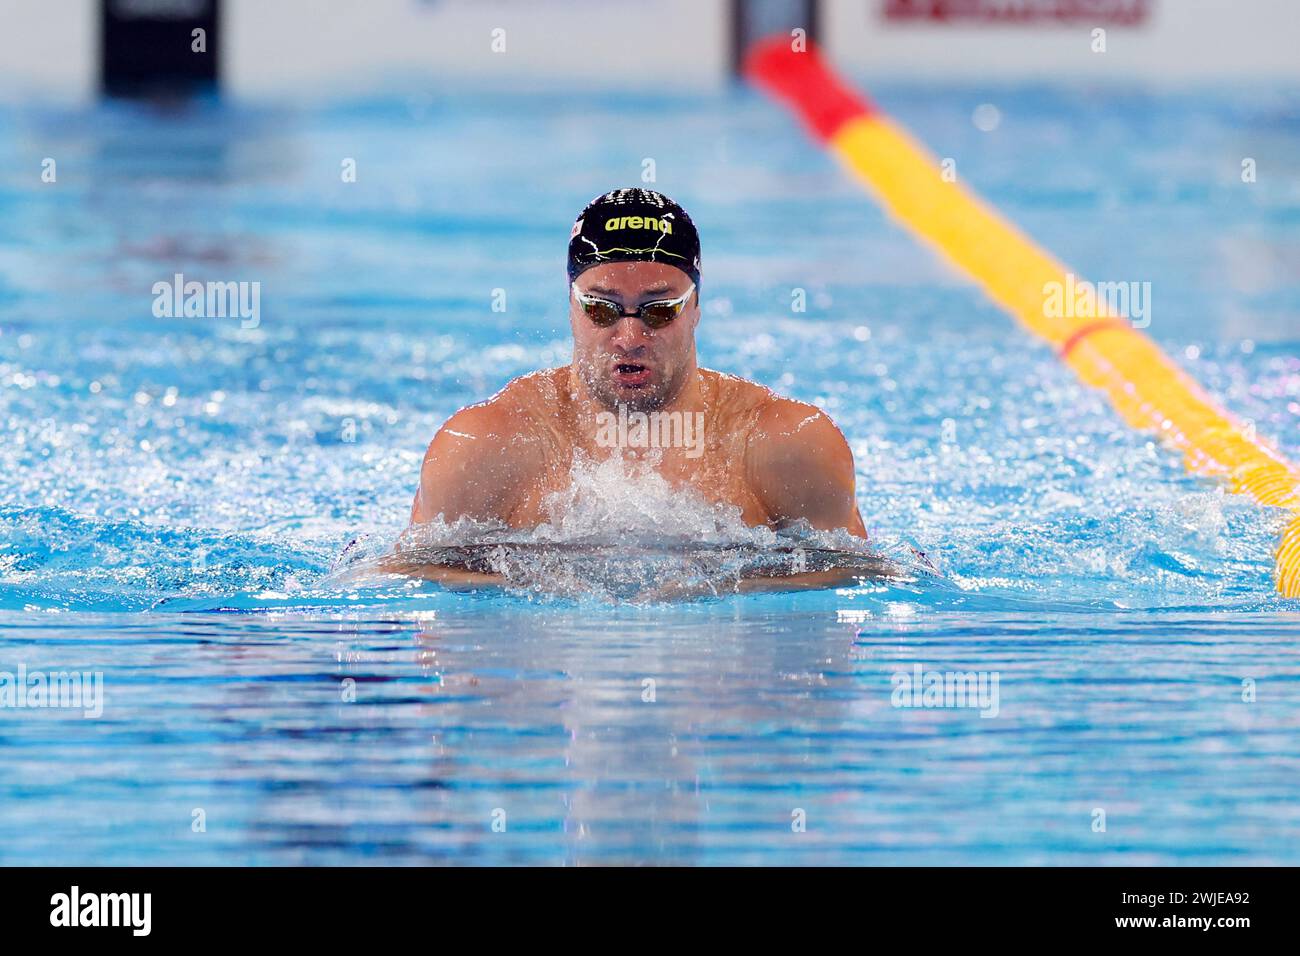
{"x": 1148, "y": 390}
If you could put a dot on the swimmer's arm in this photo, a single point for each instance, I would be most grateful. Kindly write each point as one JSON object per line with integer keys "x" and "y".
{"x": 451, "y": 577}
{"x": 800, "y": 466}
{"x": 472, "y": 468}
{"x": 801, "y": 581}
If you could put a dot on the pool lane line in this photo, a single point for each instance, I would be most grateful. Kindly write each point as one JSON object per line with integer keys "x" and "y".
{"x": 1150, "y": 392}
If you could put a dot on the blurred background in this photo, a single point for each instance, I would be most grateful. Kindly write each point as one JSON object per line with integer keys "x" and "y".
{"x": 299, "y": 48}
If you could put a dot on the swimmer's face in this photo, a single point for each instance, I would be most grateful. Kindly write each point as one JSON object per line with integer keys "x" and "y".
{"x": 629, "y": 363}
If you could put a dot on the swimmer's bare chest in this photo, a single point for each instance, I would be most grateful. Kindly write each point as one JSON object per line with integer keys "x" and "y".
{"x": 716, "y": 476}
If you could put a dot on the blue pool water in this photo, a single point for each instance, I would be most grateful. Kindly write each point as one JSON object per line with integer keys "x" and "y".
{"x": 175, "y": 492}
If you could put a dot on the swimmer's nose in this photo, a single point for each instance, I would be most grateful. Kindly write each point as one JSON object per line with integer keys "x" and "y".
{"x": 630, "y": 334}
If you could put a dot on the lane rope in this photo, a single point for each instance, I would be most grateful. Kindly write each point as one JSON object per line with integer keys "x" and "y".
{"x": 1150, "y": 392}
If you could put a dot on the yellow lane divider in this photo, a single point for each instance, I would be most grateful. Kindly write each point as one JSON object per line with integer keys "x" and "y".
{"x": 1148, "y": 390}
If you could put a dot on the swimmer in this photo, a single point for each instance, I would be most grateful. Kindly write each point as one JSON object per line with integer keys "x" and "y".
{"x": 634, "y": 389}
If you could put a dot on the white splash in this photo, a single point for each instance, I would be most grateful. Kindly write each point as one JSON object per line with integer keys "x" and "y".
{"x": 620, "y": 530}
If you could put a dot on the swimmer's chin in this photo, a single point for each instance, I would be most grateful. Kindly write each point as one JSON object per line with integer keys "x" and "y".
{"x": 610, "y": 390}
{"x": 641, "y": 399}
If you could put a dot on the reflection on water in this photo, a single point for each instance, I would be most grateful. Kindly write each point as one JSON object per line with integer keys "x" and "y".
{"x": 658, "y": 735}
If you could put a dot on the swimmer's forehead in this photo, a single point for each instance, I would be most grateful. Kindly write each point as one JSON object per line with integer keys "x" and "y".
{"x": 634, "y": 280}
{"x": 652, "y": 288}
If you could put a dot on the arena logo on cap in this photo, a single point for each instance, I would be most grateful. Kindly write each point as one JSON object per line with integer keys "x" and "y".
{"x": 664, "y": 225}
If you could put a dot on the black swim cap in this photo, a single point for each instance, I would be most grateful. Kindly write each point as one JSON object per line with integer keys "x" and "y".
{"x": 634, "y": 225}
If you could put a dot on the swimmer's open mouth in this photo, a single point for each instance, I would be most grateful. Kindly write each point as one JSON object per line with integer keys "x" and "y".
{"x": 632, "y": 373}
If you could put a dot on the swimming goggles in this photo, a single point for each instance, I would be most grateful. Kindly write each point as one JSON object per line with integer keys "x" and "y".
{"x": 604, "y": 313}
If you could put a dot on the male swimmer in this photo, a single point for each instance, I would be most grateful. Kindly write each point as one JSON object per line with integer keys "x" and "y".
{"x": 634, "y": 304}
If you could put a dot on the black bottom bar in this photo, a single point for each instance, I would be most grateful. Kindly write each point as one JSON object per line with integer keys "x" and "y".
{"x": 1226, "y": 906}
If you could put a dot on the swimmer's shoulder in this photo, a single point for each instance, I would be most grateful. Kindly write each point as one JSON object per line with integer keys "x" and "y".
{"x": 746, "y": 402}
{"x": 797, "y": 461}
{"x": 517, "y": 409}
{"x": 505, "y": 425}
{"x": 484, "y": 454}
{"x": 780, "y": 418}
{"x": 779, "y": 429}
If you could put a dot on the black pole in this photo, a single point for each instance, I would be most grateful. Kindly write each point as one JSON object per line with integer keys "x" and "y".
{"x": 158, "y": 48}
{"x": 752, "y": 20}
